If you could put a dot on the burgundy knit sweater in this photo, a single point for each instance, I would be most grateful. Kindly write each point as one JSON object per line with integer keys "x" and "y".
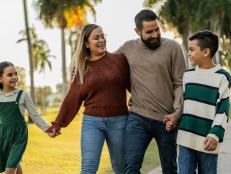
{"x": 103, "y": 90}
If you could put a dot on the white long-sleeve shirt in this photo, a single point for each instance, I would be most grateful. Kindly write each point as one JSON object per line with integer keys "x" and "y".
{"x": 25, "y": 103}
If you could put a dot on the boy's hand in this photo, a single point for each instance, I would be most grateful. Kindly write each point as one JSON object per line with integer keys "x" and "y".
{"x": 210, "y": 143}
{"x": 171, "y": 122}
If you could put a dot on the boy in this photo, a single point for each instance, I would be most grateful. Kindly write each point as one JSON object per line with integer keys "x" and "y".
{"x": 206, "y": 105}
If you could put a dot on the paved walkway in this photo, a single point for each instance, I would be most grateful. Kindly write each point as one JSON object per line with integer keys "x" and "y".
{"x": 224, "y": 160}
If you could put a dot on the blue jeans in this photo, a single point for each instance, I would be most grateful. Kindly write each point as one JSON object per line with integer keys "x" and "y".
{"x": 95, "y": 130}
{"x": 189, "y": 160}
{"x": 139, "y": 133}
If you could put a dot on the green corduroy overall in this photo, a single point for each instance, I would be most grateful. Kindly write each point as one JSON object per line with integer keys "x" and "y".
{"x": 13, "y": 134}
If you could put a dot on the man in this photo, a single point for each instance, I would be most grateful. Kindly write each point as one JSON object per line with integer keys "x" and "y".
{"x": 157, "y": 66}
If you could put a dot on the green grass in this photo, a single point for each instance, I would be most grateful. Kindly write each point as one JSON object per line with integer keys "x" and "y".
{"x": 62, "y": 154}
{"x": 229, "y": 113}
{"x": 151, "y": 159}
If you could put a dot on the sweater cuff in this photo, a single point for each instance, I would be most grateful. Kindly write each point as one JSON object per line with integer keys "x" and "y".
{"x": 56, "y": 125}
{"x": 46, "y": 129}
{"x": 214, "y": 136}
{"x": 177, "y": 113}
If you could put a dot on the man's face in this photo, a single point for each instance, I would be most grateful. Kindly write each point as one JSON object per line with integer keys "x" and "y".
{"x": 150, "y": 34}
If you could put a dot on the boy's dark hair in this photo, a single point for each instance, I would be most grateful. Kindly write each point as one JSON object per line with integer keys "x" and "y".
{"x": 144, "y": 15}
{"x": 4, "y": 65}
{"x": 206, "y": 39}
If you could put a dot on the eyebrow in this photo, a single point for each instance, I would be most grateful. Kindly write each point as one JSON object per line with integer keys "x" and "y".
{"x": 155, "y": 29}
{"x": 12, "y": 73}
{"x": 99, "y": 34}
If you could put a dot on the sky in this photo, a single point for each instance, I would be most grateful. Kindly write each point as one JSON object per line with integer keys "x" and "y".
{"x": 115, "y": 17}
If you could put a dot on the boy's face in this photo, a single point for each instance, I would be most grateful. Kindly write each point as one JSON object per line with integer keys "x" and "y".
{"x": 195, "y": 53}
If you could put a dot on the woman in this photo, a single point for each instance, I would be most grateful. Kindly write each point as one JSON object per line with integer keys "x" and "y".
{"x": 100, "y": 81}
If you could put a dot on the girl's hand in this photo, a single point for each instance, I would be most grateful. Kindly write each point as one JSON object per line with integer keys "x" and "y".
{"x": 52, "y": 132}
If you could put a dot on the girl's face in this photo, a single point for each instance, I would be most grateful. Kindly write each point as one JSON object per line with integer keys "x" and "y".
{"x": 96, "y": 42}
{"x": 9, "y": 79}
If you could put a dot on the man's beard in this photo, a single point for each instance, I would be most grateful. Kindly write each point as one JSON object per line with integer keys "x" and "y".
{"x": 152, "y": 45}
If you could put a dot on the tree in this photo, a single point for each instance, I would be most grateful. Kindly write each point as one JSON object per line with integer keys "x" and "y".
{"x": 29, "y": 50}
{"x": 22, "y": 77}
{"x": 226, "y": 53}
{"x": 40, "y": 50}
{"x": 40, "y": 60}
{"x": 218, "y": 20}
{"x": 64, "y": 14}
{"x": 42, "y": 94}
{"x": 193, "y": 15}
{"x": 178, "y": 14}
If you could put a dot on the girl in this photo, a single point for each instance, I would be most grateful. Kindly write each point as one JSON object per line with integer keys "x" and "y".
{"x": 100, "y": 81}
{"x": 13, "y": 128}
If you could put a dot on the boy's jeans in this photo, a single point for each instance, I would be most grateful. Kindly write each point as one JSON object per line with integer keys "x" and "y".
{"x": 189, "y": 160}
{"x": 95, "y": 130}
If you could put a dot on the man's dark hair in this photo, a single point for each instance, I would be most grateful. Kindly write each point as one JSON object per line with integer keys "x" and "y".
{"x": 144, "y": 15}
{"x": 206, "y": 39}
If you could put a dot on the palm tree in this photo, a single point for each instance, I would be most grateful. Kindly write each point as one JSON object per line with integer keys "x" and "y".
{"x": 218, "y": 20}
{"x": 40, "y": 53}
{"x": 54, "y": 14}
{"x": 178, "y": 14}
{"x": 22, "y": 77}
{"x": 193, "y": 15}
{"x": 29, "y": 50}
{"x": 40, "y": 50}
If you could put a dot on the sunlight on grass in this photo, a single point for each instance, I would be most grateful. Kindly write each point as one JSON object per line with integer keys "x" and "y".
{"x": 62, "y": 155}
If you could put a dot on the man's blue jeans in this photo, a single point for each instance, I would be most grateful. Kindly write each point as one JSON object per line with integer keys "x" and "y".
{"x": 139, "y": 133}
{"x": 189, "y": 160}
{"x": 95, "y": 130}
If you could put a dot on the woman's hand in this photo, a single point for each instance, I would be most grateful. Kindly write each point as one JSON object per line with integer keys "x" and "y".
{"x": 52, "y": 131}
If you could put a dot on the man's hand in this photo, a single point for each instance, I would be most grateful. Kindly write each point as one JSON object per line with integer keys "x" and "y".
{"x": 171, "y": 122}
{"x": 210, "y": 143}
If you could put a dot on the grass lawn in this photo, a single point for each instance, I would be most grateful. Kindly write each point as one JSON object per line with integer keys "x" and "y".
{"x": 62, "y": 155}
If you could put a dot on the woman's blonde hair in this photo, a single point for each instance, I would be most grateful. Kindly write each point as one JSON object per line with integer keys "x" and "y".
{"x": 82, "y": 53}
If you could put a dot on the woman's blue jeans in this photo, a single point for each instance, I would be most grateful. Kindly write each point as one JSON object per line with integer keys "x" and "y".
{"x": 95, "y": 130}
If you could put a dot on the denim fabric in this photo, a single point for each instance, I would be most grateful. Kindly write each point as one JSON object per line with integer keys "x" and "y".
{"x": 139, "y": 133}
{"x": 95, "y": 130}
{"x": 190, "y": 161}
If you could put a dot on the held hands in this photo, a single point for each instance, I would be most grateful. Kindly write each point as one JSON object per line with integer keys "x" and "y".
{"x": 171, "y": 122}
{"x": 53, "y": 132}
{"x": 210, "y": 143}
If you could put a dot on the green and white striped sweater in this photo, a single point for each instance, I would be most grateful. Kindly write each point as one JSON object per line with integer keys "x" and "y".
{"x": 206, "y": 107}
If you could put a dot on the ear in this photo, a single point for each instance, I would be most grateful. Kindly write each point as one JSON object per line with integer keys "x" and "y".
{"x": 206, "y": 52}
{"x": 0, "y": 79}
{"x": 137, "y": 30}
{"x": 86, "y": 44}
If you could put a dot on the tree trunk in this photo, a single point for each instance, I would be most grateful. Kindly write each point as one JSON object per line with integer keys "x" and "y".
{"x": 30, "y": 53}
{"x": 64, "y": 73}
{"x": 185, "y": 35}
